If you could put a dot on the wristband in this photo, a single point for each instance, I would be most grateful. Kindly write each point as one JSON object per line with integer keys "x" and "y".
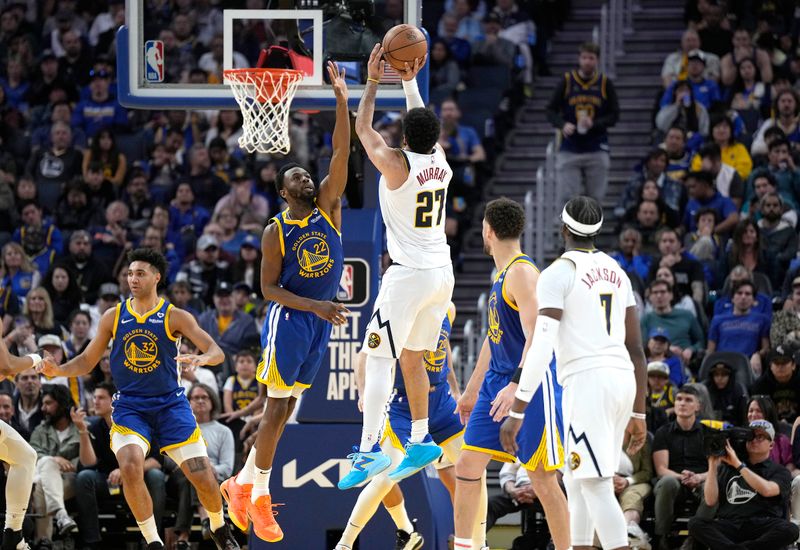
{"x": 741, "y": 467}
{"x": 370, "y": 79}
{"x": 630, "y": 480}
{"x": 639, "y": 416}
{"x": 517, "y": 375}
{"x": 515, "y": 414}
{"x": 36, "y": 358}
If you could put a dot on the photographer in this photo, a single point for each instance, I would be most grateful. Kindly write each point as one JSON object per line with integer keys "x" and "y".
{"x": 752, "y": 506}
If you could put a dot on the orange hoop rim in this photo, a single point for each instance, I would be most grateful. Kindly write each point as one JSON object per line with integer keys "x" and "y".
{"x": 241, "y": 74}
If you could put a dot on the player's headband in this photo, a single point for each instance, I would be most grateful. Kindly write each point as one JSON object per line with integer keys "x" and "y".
{"x": 578, "y": 228}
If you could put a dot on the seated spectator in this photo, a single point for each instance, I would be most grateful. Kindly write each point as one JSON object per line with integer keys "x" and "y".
{"x": 660, "y": 391}
{"x": 240, "y": 389}
{"x": 90, "y": 271}
{"x": 222, "y": 163}
{"x": 111, "y": 239}
{"x": 782, "y": 168}
{"x": 160, "y": 221}
{"x": 186, "y": 217}
{"x": 703, "y": 243}
{"x": 650, "y": 191}
{"x": 685, "y": 112}
{"x": 100, "y": 110}
{"x": 785, "y": 110}
{"x": 41, "y": 136}
{"x": 47, "y": 79}
{"x": 180, "y": 295}
{"x": 74, "y": 211}
{"x": 678, "y": 154}
{"x": 632, "y": 487}
{"x": 653, "y": 168}
{"x": 519, "y": 29}
{"x": 657, "y": 348}
{"x": 99, "y": 475}
{"x": 199, "y": 375}
{"x": 99, "y": 191}
{"x": 153, "y": 239}
{"x": 647, "y": 221}
{"x": 676, "y": 64}
{"x": 228, "y": 127}
{"x": 764, "y": 183}
{"x": 781, "y": 382}
{"x": 492, "y": 49}
{"x": 679, "y": 462}
{"x": 679, "y": 301}
{"x": 751, "y": 507}
{"x": 728, "y": 397}
{"x": 108, "y": 296}
{"x": 705, "y": 91}
{"x": 28, "y": 401}
{"x": 517, "y": 495}
{"x": 704, "y": 194}
{"x": 39, "y": 236}
{"x": 761, "y": 407}
{"x": 52, "y": 167}
{"x": 682, "y": 326}
{"x": 79, "y": 323}
{"x": 219, "y": 442}
{"x": 247, "y": 268}
{"x": 76, "y": 62}
{"x": 629, "y": 255}
{"x": 232, "y": 237}
{"x": 469, "y": 27}
{"x": 721, "y": 162}
{"x": 743, "y": 330}
{"x": 231, "y": 329}
{"x": 750, "y": 97}
{"x": 743, "y": 48}
{"x": 250, "y": 209}
{"x": 105, "y": 151}
{"x": 779, "y": 237}
{"x": 724, "y": 302}
{"x": 785, "y": 327}
{"x": 243, "y": 298}
{"x": 206, "y": 271}
{"x": 64, "y": 292}
{"x": 444, "y": 72}
{"x": 207, "y": 187}
{"x": 19, "y": 274}
{"x": 745, "y": 248}
{"x": 140, "y": 205}
{"x": 688, "y": 272}
{"x": 164, "y": 172}
{"x": 56, "y": 442}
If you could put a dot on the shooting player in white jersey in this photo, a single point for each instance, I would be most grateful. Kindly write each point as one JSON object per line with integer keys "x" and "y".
{"x": 587, "y": 313}
{"x": 416, "y": 289}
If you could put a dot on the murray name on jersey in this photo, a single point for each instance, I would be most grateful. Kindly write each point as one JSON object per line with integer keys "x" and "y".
{"x": 437, "y": 173}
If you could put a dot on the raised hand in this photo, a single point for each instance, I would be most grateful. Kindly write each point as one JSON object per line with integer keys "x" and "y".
{"x": 376, "y": 63}
{"x": 410, "y": 71}
{"x": 78, "y": 416}
{"x": 338, "y": 82}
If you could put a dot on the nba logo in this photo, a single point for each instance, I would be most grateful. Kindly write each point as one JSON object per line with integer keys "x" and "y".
{"x": 154, "y": 61}
{"x": 345, "y": 292}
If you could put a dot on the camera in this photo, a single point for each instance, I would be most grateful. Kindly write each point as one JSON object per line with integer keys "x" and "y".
{"x": 714, "y": 440}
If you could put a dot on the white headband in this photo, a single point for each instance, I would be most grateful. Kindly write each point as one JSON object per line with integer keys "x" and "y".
{"x": 578, "y": 228}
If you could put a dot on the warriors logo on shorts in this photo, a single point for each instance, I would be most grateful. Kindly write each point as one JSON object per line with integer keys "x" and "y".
{"x": 374, "y": 340}
{"x": 574, "y": 461}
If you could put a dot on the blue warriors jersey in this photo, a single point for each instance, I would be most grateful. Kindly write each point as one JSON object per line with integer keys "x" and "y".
{"x": 312, "y": 255}
{"x": 589, "y": 98}
{"x": 506, "y": 337}
{"x": 435, "y": 361}
{"x": 243, "y": 395}
{"x": 143, "y": 351}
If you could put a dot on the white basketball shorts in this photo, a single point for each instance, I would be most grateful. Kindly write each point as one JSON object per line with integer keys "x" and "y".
{"x": 409, "y": 310}
{"x": 597, "y": 405}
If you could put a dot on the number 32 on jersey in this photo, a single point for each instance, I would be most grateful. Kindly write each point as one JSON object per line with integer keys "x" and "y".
{"x": 427, "y": 202}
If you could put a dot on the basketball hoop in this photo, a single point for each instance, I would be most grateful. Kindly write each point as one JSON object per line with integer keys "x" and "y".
{"x": 265, "y": 98}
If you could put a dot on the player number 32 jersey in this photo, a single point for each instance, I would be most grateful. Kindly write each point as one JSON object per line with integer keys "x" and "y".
{"x": 414, "y": 213}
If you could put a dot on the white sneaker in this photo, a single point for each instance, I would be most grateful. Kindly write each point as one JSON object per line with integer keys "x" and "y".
{"x": 637, "y": 538}
{"x": 66, "y": 524}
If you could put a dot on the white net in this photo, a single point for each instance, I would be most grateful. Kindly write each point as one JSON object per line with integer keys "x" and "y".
{"x": 265, "y": 98}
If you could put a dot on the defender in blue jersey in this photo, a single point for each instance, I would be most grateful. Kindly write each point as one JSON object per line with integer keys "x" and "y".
{"x": 300, "y": 273}
{"x": 490, "y": 391}
{"x": 150, "y": 407}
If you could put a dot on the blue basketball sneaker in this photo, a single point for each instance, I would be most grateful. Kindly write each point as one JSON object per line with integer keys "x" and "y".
{"x": 418, "y": 455}
{"x": 365, "y": 467}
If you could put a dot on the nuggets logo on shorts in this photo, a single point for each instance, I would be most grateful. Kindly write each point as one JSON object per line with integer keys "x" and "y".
{"x": 495, "y": 334}
{"x": 434, "y": 360}
{"x": 574, "y": 461}
{"x": 313, "y": 254}
{"x": 141, "y": 351}
{"x": 374, "y": 340}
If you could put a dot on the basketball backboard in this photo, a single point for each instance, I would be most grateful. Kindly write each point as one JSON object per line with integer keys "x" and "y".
{"x": 170, "y": 55}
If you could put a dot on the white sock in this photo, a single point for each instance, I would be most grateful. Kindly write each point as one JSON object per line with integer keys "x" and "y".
{"x": 149, "y": 530}
{"x": 377, "y": 391}
{"x": 260, "y": 484}
{"x": 61, "y": 514}
{"x": 419, "y": 429}
{"x": 400, "y": 517}
{"x": 246, "y": 474}
{"x": 215, "y": 519}
{"x": 462, "y": 544}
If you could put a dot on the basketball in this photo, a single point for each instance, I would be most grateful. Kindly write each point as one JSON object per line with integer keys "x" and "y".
{"x": 403, "y": 44}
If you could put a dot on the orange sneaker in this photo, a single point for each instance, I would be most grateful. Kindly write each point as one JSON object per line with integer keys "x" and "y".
{"x": 238, "y": 497}
{"x": 262, "y": 516}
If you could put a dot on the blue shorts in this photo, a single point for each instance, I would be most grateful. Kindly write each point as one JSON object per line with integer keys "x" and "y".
{"x": 539, "y": 439}
{"x": 294, "y": 344}
{"x": 166, "y": 421}
{"x": 443, "y": 422}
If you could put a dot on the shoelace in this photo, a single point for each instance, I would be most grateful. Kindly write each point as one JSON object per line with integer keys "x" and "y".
{"x": 273, "y": 505}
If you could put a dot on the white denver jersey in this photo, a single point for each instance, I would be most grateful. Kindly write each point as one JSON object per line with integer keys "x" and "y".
{"x": 414, "y": 213}
{"x": 594, "y": 293}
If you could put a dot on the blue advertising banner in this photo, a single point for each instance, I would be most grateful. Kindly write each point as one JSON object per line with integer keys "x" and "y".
{"x": 309, "y": 462}
{"x": 332, "y": 397}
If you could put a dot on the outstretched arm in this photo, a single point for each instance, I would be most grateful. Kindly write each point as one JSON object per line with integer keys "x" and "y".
{"x": 84, "y": 362}
{"x": 390, "y": 162}
{"x": 10, "y": 365}
{"x": 332, "y": 187}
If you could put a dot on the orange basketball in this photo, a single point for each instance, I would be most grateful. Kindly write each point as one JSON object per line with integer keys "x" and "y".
{"x": 403, "y": 44}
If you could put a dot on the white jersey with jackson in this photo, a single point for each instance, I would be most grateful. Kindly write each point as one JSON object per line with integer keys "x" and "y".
{"x": 594, "y": 293}
{"x": 414, "y": 213}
